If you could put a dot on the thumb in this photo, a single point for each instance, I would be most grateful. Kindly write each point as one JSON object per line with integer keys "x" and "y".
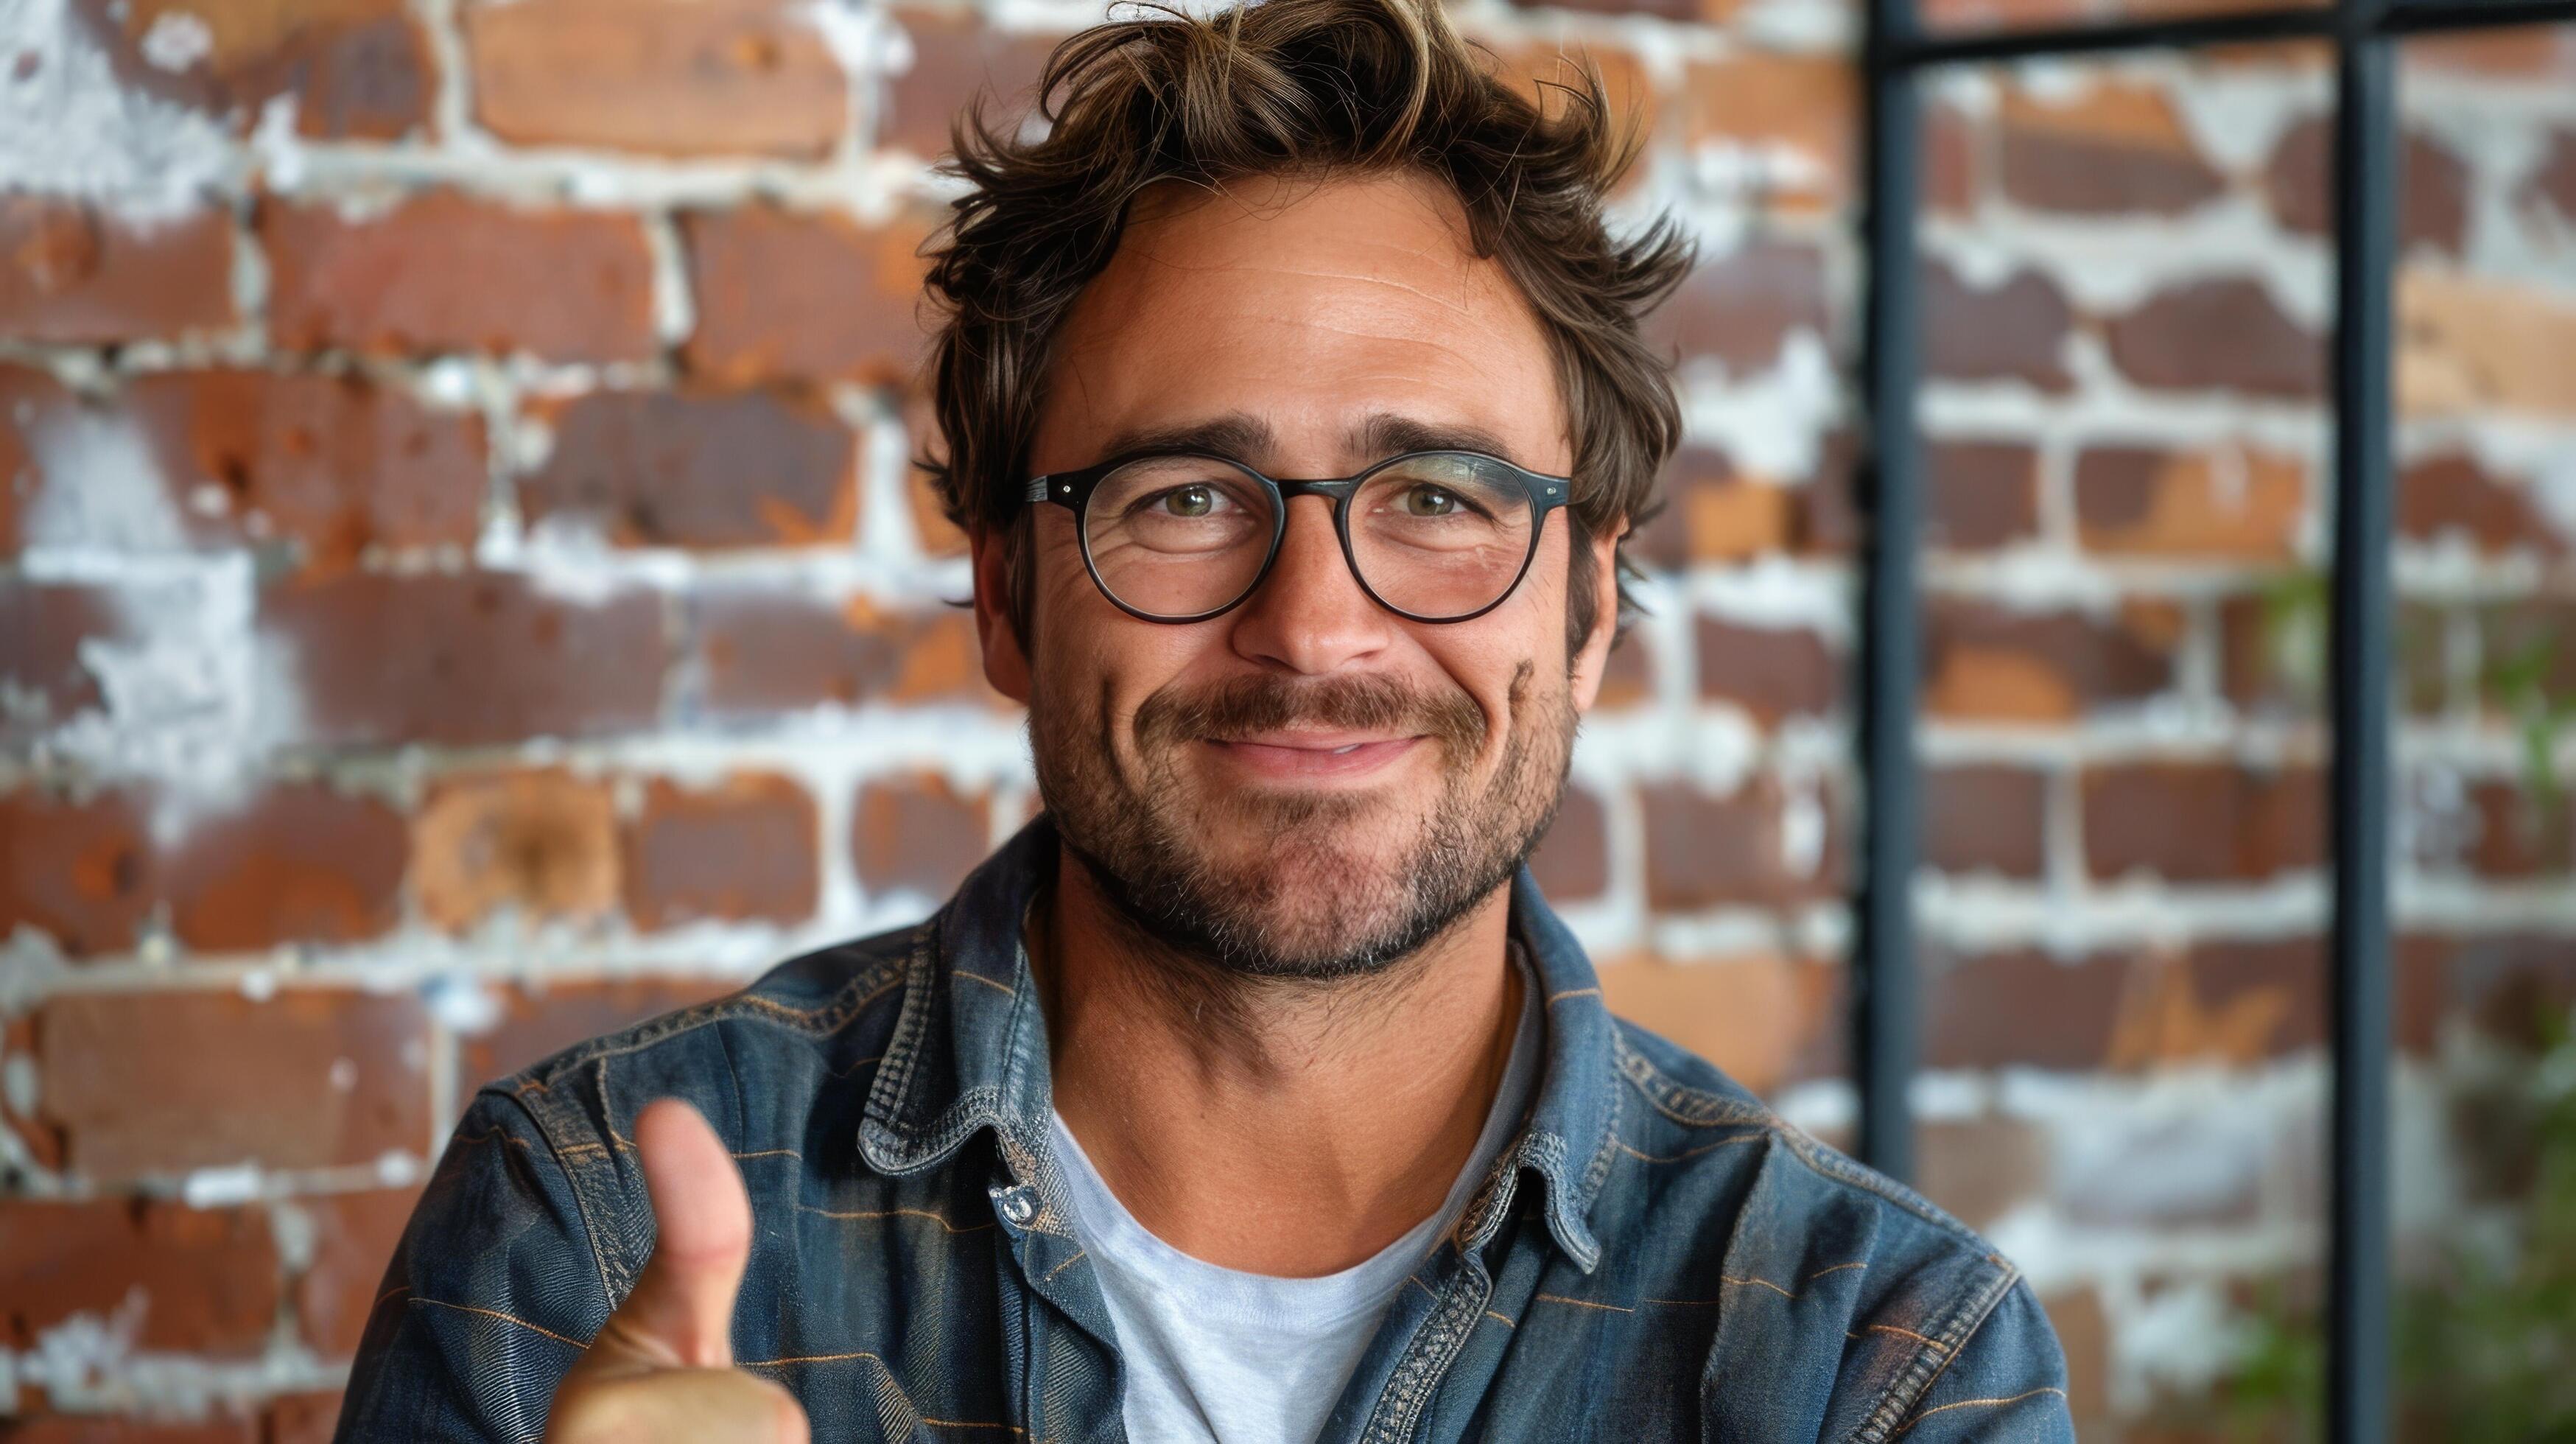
{"x": 680, "y": 1313}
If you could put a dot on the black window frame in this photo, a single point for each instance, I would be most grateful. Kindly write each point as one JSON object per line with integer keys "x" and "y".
{"x": 2365, "y": 34}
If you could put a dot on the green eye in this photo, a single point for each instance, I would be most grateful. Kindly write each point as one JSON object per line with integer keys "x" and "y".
{"x": 1429, "y": 501}
{"x": 1190, "y": 501}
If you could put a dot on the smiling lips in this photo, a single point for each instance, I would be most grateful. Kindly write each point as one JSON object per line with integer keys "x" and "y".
{"x": 1303, "y": 756}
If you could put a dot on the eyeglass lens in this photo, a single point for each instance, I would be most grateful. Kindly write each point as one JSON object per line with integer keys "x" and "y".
{"x": 1439, "y": 535}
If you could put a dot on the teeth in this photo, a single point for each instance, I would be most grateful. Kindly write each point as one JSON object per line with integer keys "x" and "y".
{"x": 1346, "y": 751}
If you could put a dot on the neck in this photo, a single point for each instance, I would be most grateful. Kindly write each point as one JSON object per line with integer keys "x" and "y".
{"x": 1277, "y": 1126}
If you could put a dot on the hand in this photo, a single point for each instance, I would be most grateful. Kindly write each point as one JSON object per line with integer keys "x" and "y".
{"x": 661, "y": 1368}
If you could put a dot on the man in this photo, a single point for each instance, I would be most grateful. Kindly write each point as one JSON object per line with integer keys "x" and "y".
{"x": 1252, "y": 1093}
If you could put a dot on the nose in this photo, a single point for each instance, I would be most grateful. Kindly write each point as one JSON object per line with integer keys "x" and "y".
{"x": 1309, "y": 615}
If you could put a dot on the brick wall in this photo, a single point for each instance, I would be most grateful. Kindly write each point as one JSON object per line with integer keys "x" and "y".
{"x": 466, "y": 590}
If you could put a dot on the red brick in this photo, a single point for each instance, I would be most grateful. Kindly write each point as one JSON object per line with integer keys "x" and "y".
{"x": 2274, "y": 660}
{"x": 1774, "y": 673}
{"x": 103, "y": 1429}
{"x": 1982, "y": 494}
{"x": 1953, "y": 160}
{"x": 2235, "y": 503}
{"x": 2519, "y": 834}
{"x": 1765, "y": 1019}
{"x": 1988, "y": 663}
{"x": 82, "y": 872}
{"x": 2507, "y": 52}
{"x": 2222, "y": 335}
{"x": 353, "y": 1239}
{"x": 442, "y": 272}
{"x": 745, "y": 849}
{"x": 769, "y": 652}
{"x": 1805, "y": 105}
{"x": 2015, "y": 330}
{"x": 2084, "y": 1336}
{"x": 2229, "y": 1002}
{"x": 2201, "y": 822}
{"x": 1991, "y": 14}
{"x": 700, "y": 468}
{"x": 2433, "y": 204}
{"x": 2452, "y": 493}
{"x": 1627, "y": 678}
{"x": 2552, "y": 183}
{"x": 1711, "y": 513}
{"x": 31, "y": 402}
{"x": 335, "y": 464}
{"x": 1980, "y": 1168}
{"x": 2510, "y": 986}
{"x": 2470, "y": 345}
{"x": 164, "y": 1082}
{"x": 482, "y": 657}
{"x": 73, "y": 274}
{"x": 1740, "y": 308}
{"x": 43, "y": 626}
{"x": 202, "y": 1281}
{"x": 538, "y": 840}
{"x": 1573, "y": 861}
{"x": 2119, "y": 149}
{"x": 804, "y": 295}
{"x": 541, "y": 1018}
{"x": 1702, "y": 851}
{"x": 955, "y": 56}
{"x": 918, "y": 834}
{"x": 727, "y": 77}
{"x": 1986, "y": 818}
{"x": 2022, "y": 1008}
{"x": 355, "y": 69}
{"x": 301, "y": 1419}
{"x": 300, "y": 864}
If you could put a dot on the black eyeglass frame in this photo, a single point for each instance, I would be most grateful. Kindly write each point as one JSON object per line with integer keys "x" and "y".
{"x": 1072, "y": 490}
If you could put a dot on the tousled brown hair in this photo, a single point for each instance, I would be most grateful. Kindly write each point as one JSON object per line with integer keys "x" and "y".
{"x": 1307, "y": 88}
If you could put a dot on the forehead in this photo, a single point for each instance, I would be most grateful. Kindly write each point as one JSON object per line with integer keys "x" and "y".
{"x": 1309, "y": 304}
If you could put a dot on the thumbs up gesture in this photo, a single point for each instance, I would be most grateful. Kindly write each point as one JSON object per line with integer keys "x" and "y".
{"x": 661, "y": 1368}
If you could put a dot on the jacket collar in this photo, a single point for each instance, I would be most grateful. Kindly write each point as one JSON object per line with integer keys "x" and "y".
{"x": 969, "y": 1051}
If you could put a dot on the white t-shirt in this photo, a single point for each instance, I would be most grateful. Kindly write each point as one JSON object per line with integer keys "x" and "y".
{"x": 1227, "y": 1357}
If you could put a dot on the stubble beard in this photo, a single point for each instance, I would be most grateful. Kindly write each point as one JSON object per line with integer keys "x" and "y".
{"x": 1335, "y": 885}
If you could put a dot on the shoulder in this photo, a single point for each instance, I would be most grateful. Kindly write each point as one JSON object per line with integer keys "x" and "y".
{"x": 1857, "y": 1276}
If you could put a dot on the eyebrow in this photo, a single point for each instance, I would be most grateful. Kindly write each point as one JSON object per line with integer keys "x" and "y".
{"x": 1244, "y": 436}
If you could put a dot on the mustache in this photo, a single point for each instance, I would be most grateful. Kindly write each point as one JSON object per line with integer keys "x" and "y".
{"x": 1240, "y": 705}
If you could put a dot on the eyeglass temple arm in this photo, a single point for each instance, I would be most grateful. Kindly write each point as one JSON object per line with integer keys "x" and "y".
{"x": 1037, "y": 488}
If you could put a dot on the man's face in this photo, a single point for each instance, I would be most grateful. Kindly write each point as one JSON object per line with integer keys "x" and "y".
{"x": 1307, "y": 785}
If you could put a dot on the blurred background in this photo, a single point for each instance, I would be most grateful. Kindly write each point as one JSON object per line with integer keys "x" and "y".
{"x": 465, "y": 589}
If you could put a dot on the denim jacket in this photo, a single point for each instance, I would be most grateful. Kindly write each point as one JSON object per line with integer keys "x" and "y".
{"x": 1655, "y": 1256}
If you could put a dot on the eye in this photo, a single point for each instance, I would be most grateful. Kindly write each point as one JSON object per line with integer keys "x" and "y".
{"x": 1429, "y": 500}
{"x": 1188, "y": 501}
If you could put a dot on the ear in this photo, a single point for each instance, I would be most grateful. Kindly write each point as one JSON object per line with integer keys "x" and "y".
{"x": 1594, "y": 657}
{"x": 1006, "y": 663}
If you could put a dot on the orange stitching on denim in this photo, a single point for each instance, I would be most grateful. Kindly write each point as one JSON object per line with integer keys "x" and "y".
{"x": 968, "y": 1424}
{"x": 1837, "y": 1268}
{"x": 855, "y": 1065}
{"x": 939, "y": 1219}
{"x": 503, "y": 1134}
{"x": 1497, "y": 1318}
{"x": 1006, "y": 989}
{"x": 389, "y": 1293}
{"x": 1574, "y": 993}
{"x": 1583, "y": 1304}
{"x": 1934, "y": 1344}
{"x": 1686, "y": 1153}
{"x": 1980, "y": 1403}
{"x": 806, "y": 1359}
{"x": 1419, "y": 1284}
{"x": 1068, "y": 1263}
{"x": 505, "y": 1318}
{"x": 1726, "y": 1279}
{"x": 772, "y": 1153}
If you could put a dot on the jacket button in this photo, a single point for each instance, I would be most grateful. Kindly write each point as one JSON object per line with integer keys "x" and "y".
{"x": 1018, "y": 1209}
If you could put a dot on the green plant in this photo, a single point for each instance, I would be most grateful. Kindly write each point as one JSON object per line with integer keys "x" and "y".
{"x": 2486, "y": 1342}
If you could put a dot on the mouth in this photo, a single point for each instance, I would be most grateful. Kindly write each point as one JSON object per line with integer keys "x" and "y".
{"x": 1295, "y": 756}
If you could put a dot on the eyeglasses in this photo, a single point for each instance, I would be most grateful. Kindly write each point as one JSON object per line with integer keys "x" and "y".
{"x": 1182, "y": 536}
